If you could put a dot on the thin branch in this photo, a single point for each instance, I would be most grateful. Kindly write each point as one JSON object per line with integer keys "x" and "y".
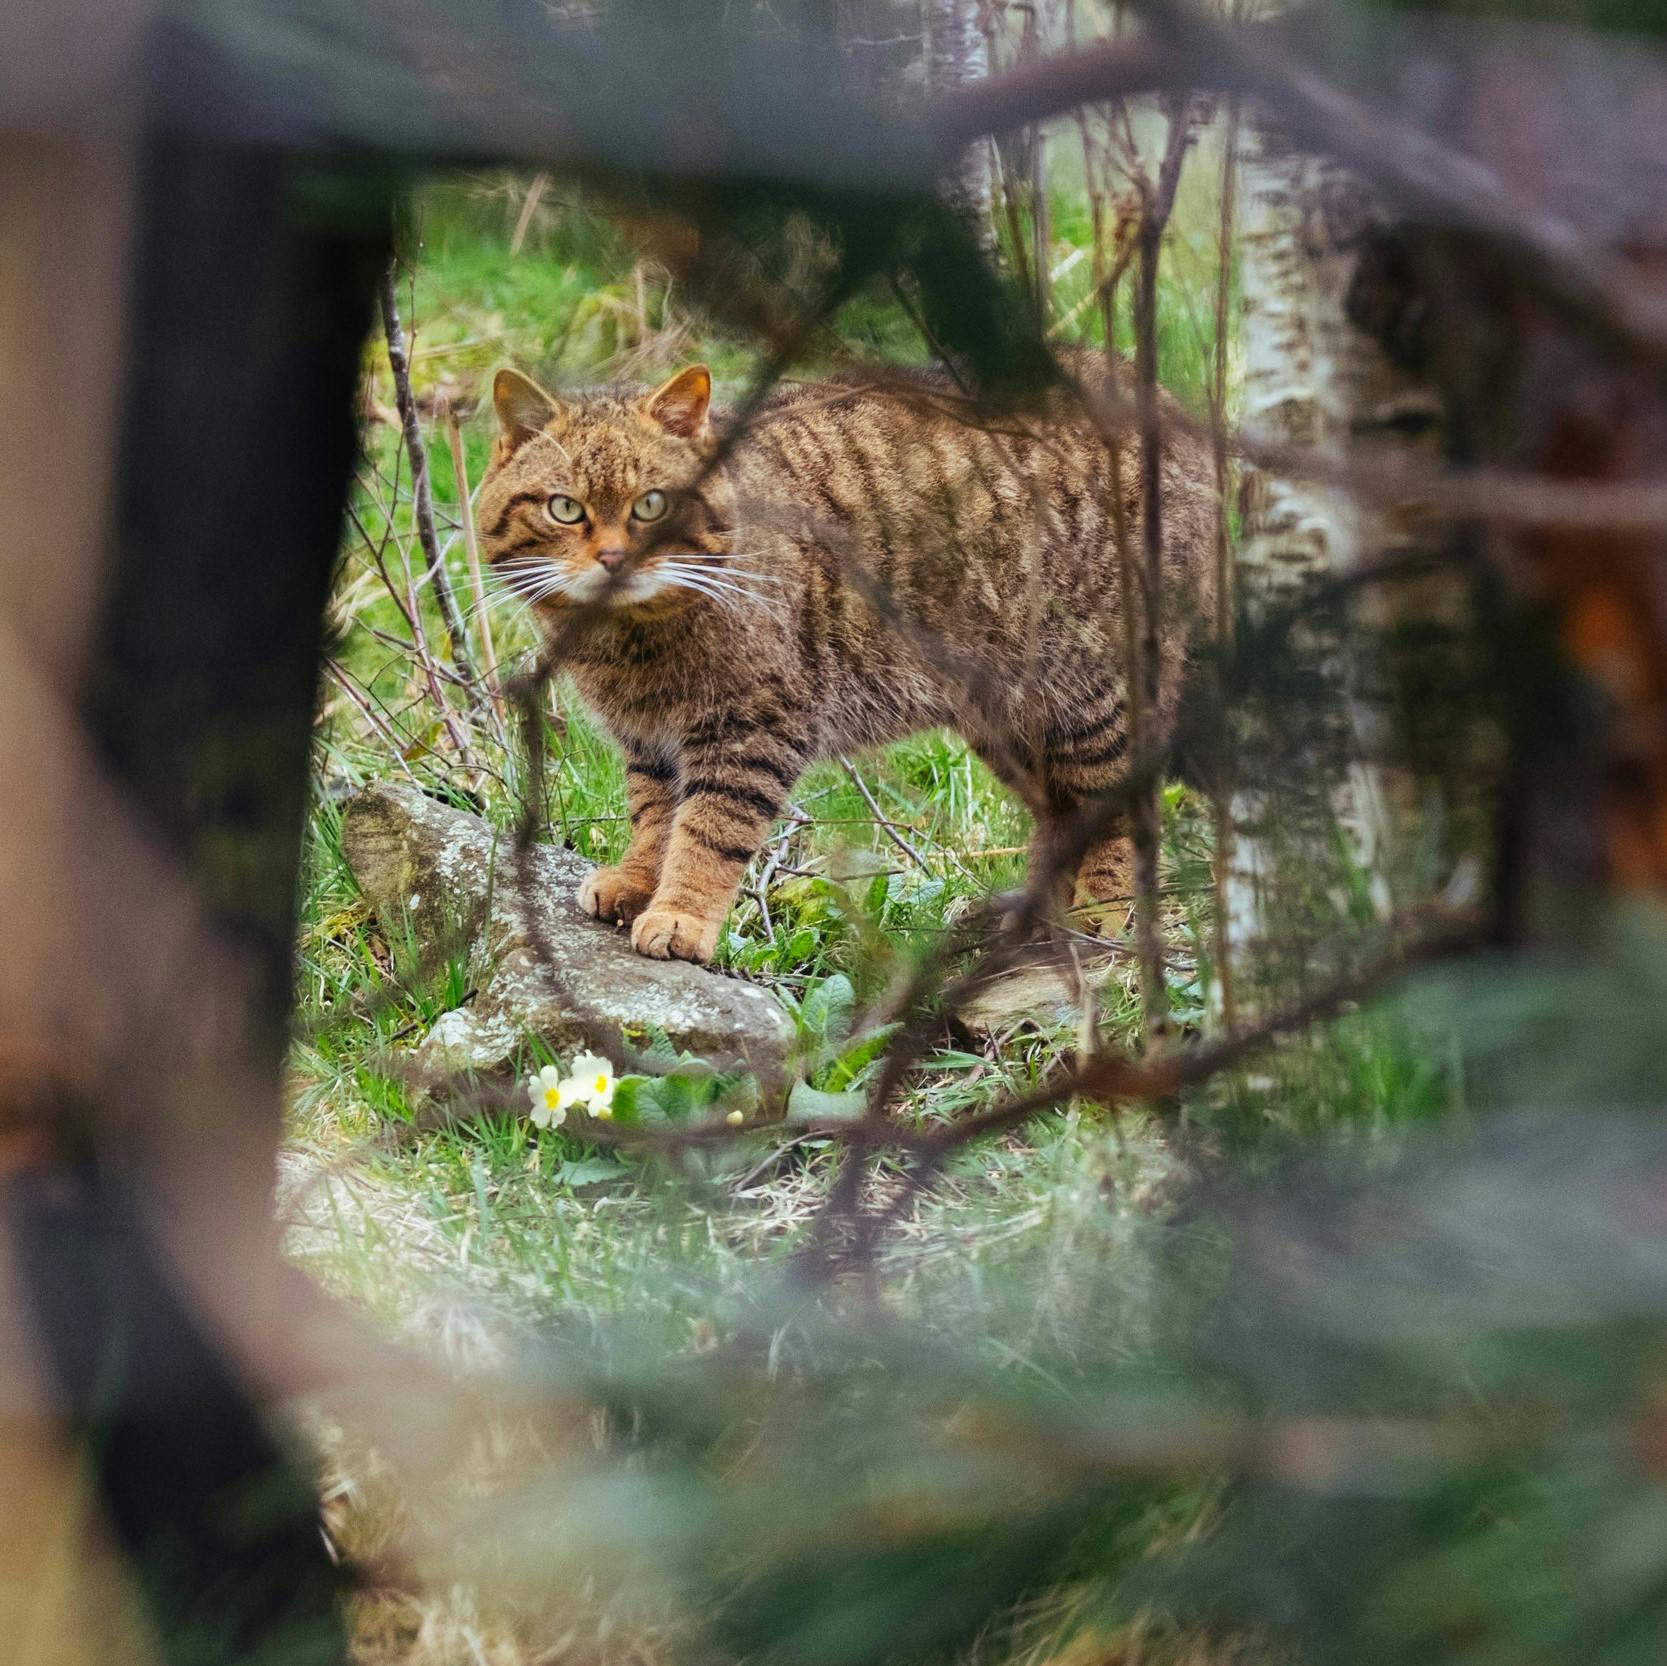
{"x": 471, "y": 546}
{"x": 1554, "y": 255}
{"x": 1221, "y": 808}
{"x": 345, "y": 683}
{"x": 1050, "y": 86}
{"x": 1188, "y": 50}
{"x": 1112, "y": 1078}
{"x": 1147, "y": 676}
{"x": 422, "y": 496}
{"x": 889, "y": 830}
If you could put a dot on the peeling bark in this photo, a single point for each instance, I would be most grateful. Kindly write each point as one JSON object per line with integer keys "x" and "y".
{"x": 1315, "y": 380}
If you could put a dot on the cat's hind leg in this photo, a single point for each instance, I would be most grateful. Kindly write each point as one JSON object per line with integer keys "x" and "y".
{"x": 1084, "y": 762}
{"x": 1019, "y": 769}
{"x": 1104, "y": 884}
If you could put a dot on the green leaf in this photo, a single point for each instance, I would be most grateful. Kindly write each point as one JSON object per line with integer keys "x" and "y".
{"x": 628, "y": 1097}
{"x": 682, "y": 1093}
{"x": 589, "y": 1171}
{"x": 808, "y": 1104}
{"x": 738, "y": 1093}
{"x": 856, "y": 1057}
{"x": 828, "y": 1009}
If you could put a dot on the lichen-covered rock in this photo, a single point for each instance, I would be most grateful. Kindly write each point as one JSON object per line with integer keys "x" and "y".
{"x": 443, "y": 880}
{"x": 1047, "y": 993}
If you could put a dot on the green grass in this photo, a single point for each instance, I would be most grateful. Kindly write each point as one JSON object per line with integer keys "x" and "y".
{"x": 574, "y": 304}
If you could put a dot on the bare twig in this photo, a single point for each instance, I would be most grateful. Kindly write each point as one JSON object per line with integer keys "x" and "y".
{"x": 1188, "y": 50}
{"x": 1221, "y": 807}
{"x": 887, "y": 827}
{"x": 529, "y": 207}
{"x": 471, "y": 546}
{"x": 373, "y": 717}
{"x": 1111, "y": 1078}
{"x": 1553, "y": 255}
{"x": 422, "y": 496}
{"x": 1146, "y": 675}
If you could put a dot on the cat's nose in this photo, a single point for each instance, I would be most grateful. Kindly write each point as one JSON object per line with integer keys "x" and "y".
{"x": 610, "y": 559}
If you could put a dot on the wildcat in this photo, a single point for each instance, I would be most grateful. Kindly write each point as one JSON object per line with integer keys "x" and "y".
{"x": 862, "y": 562}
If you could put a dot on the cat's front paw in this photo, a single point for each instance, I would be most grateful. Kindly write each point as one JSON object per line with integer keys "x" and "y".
{"x": 614, "y": 894}
{"x": 671, "y": 934}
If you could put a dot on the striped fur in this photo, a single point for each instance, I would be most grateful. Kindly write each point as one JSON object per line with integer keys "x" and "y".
{"x": 863, "y": 563}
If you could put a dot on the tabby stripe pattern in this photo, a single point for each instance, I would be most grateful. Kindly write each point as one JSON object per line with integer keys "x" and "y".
{"x": 865, "y": 562}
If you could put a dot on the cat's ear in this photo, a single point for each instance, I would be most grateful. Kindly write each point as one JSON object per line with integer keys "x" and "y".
{"x": 680, "y": 405}
{"x": 523, "y": 407}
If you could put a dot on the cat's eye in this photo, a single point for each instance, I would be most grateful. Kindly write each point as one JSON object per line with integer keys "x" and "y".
{"x": 568, "y": 511}
{"x": 649, "y": 507}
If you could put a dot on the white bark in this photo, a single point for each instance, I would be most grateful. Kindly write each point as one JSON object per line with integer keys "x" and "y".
{"x": 956, "y": 55}
{"x": 1312, "y": 380}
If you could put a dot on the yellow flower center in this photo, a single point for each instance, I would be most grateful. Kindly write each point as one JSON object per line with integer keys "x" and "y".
{"x": 601, "y": 1084}
{"x": 552, "y": 1098}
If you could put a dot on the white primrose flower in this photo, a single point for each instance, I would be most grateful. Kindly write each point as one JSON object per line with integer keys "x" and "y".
{"x": 592, "y": 1084}
{"x": 551, "y": 1097}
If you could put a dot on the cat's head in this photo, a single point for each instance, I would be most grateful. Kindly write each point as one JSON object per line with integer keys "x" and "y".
{"x": 607, "y": 499}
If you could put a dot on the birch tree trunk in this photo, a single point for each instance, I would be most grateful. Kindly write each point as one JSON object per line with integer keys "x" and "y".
{"x": 956, "y": 55}
{"x": 1315, "y": 381}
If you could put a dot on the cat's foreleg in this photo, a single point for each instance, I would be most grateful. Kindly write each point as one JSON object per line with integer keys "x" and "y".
{"x": 734, "y": 787}
{"x": 651, "y": 792}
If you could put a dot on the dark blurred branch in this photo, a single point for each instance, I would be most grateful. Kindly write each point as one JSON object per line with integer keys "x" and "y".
{"x": 1104, "y": 1079}
{"x": 1427, "y": 177}
{"x": 1051, "y": 86}
{"x": 1498, "y": 497}
{"x": 714, "y": 106}
{"x": 1189, "y": 50}
{"x": 1108, "y": 1078}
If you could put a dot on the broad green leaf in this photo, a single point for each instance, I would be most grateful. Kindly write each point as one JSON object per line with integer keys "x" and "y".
{"x": 856, "y": 1057}
{"x": 828, "y": 1008}
{"x": 590, "y": 1171}
{"x": 808, "y": 1104}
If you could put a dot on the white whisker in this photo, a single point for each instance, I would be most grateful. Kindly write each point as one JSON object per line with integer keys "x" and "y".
{"x": 719, "y": 592}
{"x": 732, "y": 565}
{"x": 722, "y": 575}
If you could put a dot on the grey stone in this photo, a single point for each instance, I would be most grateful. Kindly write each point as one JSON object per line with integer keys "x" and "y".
{"x": 1036, "y": 994}
{"x": 443, "y": 879}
